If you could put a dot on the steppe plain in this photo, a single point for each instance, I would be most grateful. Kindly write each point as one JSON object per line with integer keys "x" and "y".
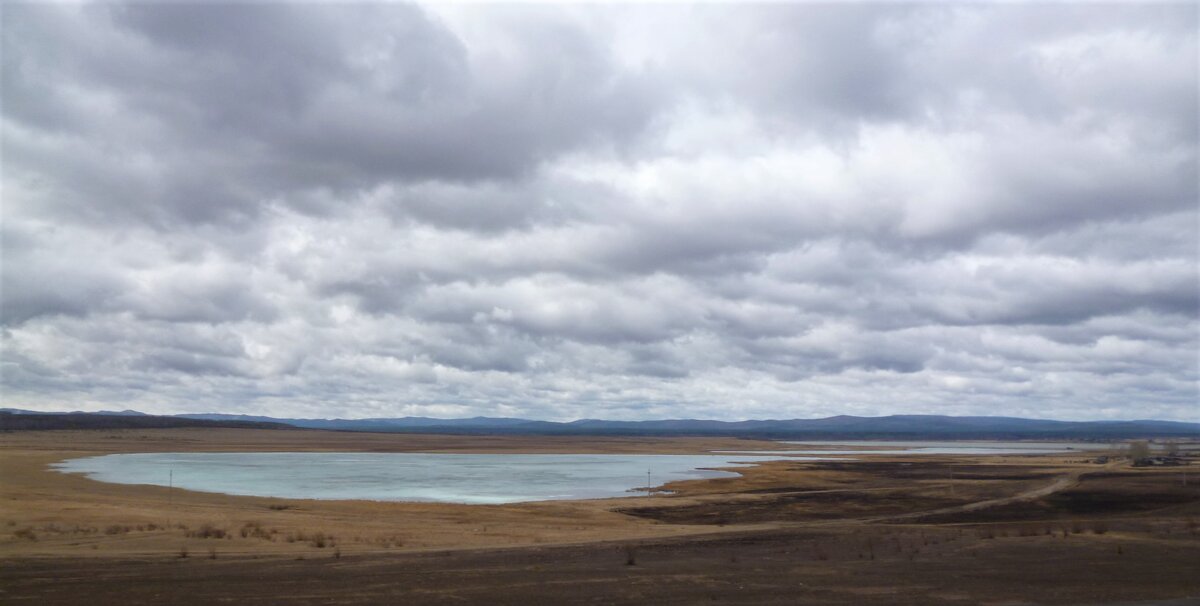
{"x": 997, "y": 529}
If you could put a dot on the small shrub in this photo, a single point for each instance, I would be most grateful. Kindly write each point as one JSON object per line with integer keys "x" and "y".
{"x": 26, "y": 533}
{"x": 208, "y": 531}
{"x": 1099, "y": 528}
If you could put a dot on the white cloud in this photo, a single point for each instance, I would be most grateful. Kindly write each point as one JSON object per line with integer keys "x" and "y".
{"x": 605, "y": 211}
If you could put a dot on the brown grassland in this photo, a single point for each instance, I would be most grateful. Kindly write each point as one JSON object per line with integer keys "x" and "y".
{"x": 1031, "y": 529}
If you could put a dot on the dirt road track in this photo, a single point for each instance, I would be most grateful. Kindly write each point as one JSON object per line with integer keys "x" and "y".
{"x": 1063, "y": 482}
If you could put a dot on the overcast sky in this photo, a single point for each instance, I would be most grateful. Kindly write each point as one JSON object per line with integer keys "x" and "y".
{"x": 621, "y": 211}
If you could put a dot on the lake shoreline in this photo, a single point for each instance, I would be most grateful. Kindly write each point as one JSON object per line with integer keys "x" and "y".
{"x": 829, "y": 530}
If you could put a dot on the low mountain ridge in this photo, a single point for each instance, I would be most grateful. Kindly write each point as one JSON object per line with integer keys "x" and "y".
{"x": 837, "y": 427}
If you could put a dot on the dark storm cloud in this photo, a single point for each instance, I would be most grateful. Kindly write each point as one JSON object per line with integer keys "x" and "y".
{"x": 601, "y": 211}
{"x": 208, "y": 112}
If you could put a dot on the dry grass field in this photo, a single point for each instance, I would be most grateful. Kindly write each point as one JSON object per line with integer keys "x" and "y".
{"x": 919, "y": 530}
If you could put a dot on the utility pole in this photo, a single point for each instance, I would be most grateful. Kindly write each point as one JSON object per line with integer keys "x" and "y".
{"x": 170, "y": 494}
{"x": 648, "y": 484}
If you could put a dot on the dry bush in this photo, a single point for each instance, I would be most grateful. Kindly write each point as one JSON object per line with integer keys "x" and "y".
{"x": 26, "y": 533}
{"x": 390, "y": 541}
{"x": 207, "y": 531}
{"x": 319, "y": 540}
{"x": 253, "y": 529}
{"x": 117, "y": 529}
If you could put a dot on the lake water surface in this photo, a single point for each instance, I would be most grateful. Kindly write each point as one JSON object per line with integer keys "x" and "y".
{"x": 452, "y": 478}
{"x": 476, "y": 478}
{"x": 927, "y": 447}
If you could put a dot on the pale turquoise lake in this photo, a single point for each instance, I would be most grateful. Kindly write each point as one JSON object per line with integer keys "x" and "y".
{"x": 450, "y": 478}
{"x": 926, "y": 447}
{"x": 472, "y": 478}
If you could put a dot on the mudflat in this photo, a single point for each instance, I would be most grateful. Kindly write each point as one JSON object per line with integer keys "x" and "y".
{"x": 881, "y": 529}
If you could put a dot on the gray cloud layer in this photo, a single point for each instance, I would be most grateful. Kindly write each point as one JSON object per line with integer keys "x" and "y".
{"x": 601, "y": 211}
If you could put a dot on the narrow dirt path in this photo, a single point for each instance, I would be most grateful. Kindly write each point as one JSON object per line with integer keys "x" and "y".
{"x": 1063, "y": 482}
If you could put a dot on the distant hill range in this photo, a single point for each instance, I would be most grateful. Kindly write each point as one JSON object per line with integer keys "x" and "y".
{"x": 839, "y": 427}
{"x": 15, "y": 420}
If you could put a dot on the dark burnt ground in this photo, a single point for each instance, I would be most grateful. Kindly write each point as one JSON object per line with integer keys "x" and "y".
{"x": 860, "y": 565}
{"x": 858, "y": 489}
{"x": 1104, "y": 494}
{"x": 814, "y": 505}
{"x": 934, "y": 470}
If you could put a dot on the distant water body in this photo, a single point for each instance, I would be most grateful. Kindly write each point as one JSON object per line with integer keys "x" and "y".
{"x": 448, "y": 478}
{"x": 924, "y": 447}
{"x": 472, "y": 478}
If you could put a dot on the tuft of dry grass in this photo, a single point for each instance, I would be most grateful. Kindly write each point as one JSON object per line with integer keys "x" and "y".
{"x": 207, "y": 531}
{"x": 254, "y": 529}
